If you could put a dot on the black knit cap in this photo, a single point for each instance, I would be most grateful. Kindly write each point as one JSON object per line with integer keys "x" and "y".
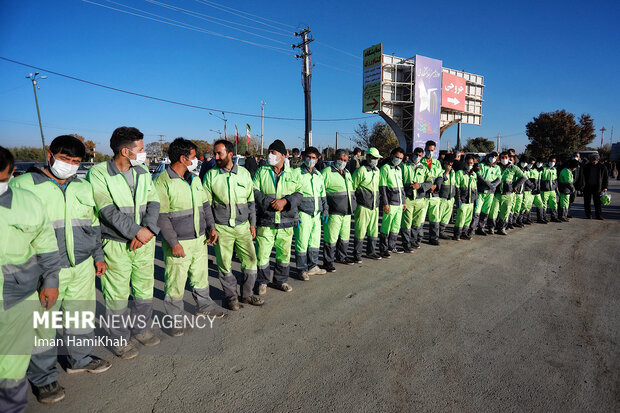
{"x": 278, "y": 146}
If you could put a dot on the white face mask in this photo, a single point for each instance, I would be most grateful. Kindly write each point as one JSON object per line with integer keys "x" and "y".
{"x": 492, "y": 160}
{"x": 551, "y": 164}
{"x": 416, "y": 159}
{"x": 140, "y": 158}
{"x": 273, "y": 159}
{"x": 373, "y": 163}
{"x": 4, "y": 186}
{"x": 340, "y": 164}
{"x": 539, "y": 165}
{"x": 523, "y": 164}
{"x": 193, "y": 165}
{"x": 505, "y": 161}
{"x": 63, "y": 170}
{"x": 310, "y": 163}
{"x": 396, "y": 161}
{"x": 468, "y": 167}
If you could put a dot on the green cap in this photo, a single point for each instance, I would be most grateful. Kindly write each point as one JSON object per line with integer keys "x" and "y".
{"x": 373, "y": 152}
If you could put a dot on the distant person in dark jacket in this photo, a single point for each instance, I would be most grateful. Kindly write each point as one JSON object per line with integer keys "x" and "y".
{"x": 250, "y": 164}
{"x": 355, "y": 161}
{"x": 595, "y": 177}
{"x": 207, "y": 163}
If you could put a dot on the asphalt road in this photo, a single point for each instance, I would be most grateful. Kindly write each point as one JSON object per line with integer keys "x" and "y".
{"x": 526, "y": 322}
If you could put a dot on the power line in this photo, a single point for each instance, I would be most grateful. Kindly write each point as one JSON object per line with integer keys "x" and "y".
{"x": 207, "y": 17}
{"x": 339, "y": 50}
{"x": 172, "y": 101}
{"x": 182, "y": 25}
{"x": 239, "y": 13}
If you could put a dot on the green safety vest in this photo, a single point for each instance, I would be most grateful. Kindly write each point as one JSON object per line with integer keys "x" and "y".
{"x": 121, "y": 213}
{"x": 71, "y": 212}
{"x": 366, "y": 184}
{"x": 313, "y": 194}
{"x": 391, "y": 185}
{"x": 548, "y": 179}
{"x": 181, "y": 206}
{"x": 468, "y": 186}
{"x": 339, "y": 191}
{"x": 29, "y": 260}
{"x": 509, "y": 173}
{"x": 415, "y": 173}
{"x": 489, "y": 173}
{"x": 448, "y": 186}
{"x": 231, "y": 195}
{"x": 267, "y": 187}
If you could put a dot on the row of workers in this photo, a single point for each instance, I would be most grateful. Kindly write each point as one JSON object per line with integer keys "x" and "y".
{"x": 64, "y": 231}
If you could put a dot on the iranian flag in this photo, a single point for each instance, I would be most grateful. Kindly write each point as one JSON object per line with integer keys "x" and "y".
{"x": 236, "y": 134}
{"x": 247, "y": 132}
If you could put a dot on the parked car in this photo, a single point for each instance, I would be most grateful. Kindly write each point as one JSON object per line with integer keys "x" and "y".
{"x": 22, "y": 167}
{"x": 83, "y": 169}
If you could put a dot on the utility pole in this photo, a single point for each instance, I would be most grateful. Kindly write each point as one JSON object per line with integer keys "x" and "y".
{"x": 35, "y": 86}
{"x": 458, "y": 137}
{"x": 306, "y": 77}
{"x": 161, "y": 145}
{"x": 611, "y": 138}
{"x": 262, "y": 121}
{"x": 498, "y": 148}
{"x": 336, "y": 140}
{"x": 602, "y": 132}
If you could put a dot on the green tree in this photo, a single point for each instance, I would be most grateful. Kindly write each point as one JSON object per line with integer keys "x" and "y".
{"x": 557, "y": 133}
{"x": 479, "y": 145}
{"x": 380, "y": 136}
{"x": 28, "y": 154}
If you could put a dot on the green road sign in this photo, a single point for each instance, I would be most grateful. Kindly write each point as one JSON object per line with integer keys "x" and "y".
{"x": 372, "y": 78}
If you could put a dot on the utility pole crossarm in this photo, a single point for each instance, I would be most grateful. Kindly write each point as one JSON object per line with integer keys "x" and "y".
{"x": 306, "y": 73}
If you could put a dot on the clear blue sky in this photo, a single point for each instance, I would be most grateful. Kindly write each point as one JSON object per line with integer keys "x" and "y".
{"x": 535, "y": 56}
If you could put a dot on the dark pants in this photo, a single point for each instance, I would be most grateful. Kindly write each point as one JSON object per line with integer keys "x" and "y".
{"x": 595, "y": 196}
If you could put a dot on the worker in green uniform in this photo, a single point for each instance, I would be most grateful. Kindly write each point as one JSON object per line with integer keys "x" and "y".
{"x": 342, "y": 203}
{"x": 528, "y": 198}
{"x": 518, "y": 197}
{"x": 511, "y": 177}
{"x": 416, "y": 183}
{"x": 29, "y": 267}
{"x": 69, "y": 204}
{"x": 312, "y": 208}
{"x": 434, "y": 177}
{"x": 185, "y": 217}
{"x": 392, "y": 196}
{"x": 538, "y": 203}
{"x": 566, "y": 187}
{"x": 548, "y": 189}
{"x": 467, "y": 183}
{"x": 230, "y": 191}
{"x": 277, "y": 192}
{"x": 447, "y": 194}
{"x": 366, "y": 217}
{"x": 128, "y": 208}
{"x": 489, "y": 176}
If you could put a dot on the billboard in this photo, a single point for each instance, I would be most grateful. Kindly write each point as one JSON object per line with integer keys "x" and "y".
{"x": 427, "y": 104}
{"x": 371, "y": 99}
{"x": 453, "y": 92}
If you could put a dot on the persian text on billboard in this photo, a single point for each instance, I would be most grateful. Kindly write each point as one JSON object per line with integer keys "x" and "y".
{"x": 453, "y": 92}
{"x": 371, "y": 99}
{"x": 427, "y": 110}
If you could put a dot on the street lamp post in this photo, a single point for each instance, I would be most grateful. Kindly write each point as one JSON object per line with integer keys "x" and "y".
{"x": 219, "y": 132}
{"x": 262, "y": 121}
{"x": 34, "y": 78}
{"x": 223, "y": 117}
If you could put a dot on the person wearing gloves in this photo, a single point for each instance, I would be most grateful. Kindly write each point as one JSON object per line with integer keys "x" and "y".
{"x": 185, "y": 217}
{"x": 341, "y": 202}
{"x": 528, "y": 196}
{"x": 366, "y": 185}
{"x": 128, "y": 208}
{"x": 312, "y": 208}
{"x": 29, "y": 267}
{"x": 392, "y": 198}
{"x": 467, "y": 184}
{"x": 538, "y": 203}
{"x": 434, "y": 177}
{"x": 511, "y": 177}
{"x": 548, "y": 189}
{"x": 277, "y": 192}
{"x": 230, "y": 192}
{"x": 416, "y": 183}
{"x": 566, "y": 187}
{"x": 489, "y": 176}
{"x": 69, "y": 204}
{"x": 447, "y": 195}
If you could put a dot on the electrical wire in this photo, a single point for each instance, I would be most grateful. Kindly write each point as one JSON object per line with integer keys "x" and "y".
{"x": 173, "y": 101}
{"x": 182, "y": 25}
{"x": 339, "y": 50}
{"x": 207, "y": 17}
{"x": 240, "y": 13}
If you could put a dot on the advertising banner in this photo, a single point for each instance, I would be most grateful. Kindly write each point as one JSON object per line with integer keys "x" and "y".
{"x": 427, "y": 107}
{"x": 371, "y": 97}
{"x": 453, "y": 92}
